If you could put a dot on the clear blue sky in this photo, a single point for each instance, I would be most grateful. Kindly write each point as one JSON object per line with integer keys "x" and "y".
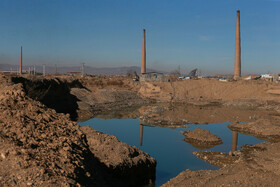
{"x": 103, "y": 33}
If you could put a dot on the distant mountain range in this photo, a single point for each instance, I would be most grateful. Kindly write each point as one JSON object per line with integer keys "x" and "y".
{"x": 88, "y": 69}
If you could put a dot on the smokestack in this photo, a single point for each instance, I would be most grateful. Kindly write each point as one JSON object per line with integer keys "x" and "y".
{"x": 20, "y": 65}
{"x": 237, "y": 60}
{"x": 143, "y": 65}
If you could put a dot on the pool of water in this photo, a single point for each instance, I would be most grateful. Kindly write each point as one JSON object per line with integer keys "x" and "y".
{"x": 167, "y": 145}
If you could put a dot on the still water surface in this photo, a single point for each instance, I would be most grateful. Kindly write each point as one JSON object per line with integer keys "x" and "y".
{"x": 167, "y": 145}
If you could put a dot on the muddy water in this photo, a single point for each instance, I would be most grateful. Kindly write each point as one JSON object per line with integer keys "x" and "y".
{"x": 167, "y": 145}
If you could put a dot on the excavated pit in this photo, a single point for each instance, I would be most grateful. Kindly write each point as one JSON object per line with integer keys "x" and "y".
{"x": 54, "y": 93}
{"x": 42, "y": 147}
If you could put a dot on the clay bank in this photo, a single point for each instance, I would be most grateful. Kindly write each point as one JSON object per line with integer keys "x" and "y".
{"x": 42, "y": 145}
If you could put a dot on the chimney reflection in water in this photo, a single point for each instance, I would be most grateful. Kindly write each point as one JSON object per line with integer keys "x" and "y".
{"x": 234, "y": 140}
{"x": 141, "y": 134}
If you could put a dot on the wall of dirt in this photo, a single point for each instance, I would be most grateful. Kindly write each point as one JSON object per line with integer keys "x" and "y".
{"x": 54, "y": 93}
{"x": 84, "y": 98}
{"x": 207, "y": 89}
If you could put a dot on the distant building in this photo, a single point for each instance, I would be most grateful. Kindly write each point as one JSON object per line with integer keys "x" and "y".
{"x": 251, "y": 77}
{"x": 74, "y": 73}
{"x": 266, "y": 76}
{"x": 153, "y": 76}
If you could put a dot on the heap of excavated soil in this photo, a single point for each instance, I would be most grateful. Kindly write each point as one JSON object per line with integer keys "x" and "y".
{"x": 127, "y": 163}
{"x": 201, "y": 138}
{"x": 38, "y": 146}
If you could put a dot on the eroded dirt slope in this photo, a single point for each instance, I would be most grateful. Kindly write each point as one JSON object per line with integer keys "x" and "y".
{"x": 206, "y": 89}
{"x": 40, "y": 147}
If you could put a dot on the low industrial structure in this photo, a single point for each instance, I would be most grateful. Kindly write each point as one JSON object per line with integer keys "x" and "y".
{"x": 153, "y": 76}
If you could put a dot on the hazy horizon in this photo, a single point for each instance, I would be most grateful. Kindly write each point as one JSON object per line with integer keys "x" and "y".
{"x": 107, "y": 33}
{"x": 62, "y": 69}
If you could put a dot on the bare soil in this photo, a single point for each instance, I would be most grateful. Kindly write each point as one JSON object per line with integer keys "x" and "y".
{"x": 218, "y": 158}
{"x": 201, "y": 138}
{"x": 124, "y": 162}
{"x": 42, "y": 146}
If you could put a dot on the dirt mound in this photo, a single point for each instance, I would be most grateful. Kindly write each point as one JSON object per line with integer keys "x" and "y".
{"x": 201, "y": 138}
{"x": 129, "y": 164}
{"x": 39, "y": 147}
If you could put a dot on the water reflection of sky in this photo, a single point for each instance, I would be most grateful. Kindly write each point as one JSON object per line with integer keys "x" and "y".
{"x": 167, "y": 145}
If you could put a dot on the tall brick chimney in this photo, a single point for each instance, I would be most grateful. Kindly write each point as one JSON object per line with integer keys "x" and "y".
{"x": 143, "y": 65}
{"x": 237, "y": 60}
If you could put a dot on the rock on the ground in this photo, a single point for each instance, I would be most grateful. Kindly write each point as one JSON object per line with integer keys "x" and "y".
{"x": 129, "y": 164}
{"x": 201, "y": 138}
